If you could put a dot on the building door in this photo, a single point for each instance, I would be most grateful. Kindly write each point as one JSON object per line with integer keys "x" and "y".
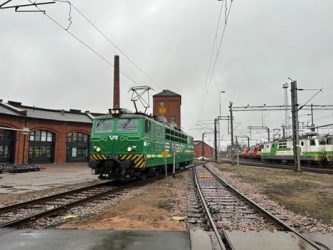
{"x": 77, "y": 147}
{"x": 7, "y": 142}
{"x": 41, "y": 146}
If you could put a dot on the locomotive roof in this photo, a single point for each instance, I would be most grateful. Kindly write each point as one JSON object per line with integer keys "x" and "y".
{"x": 302, "y": 137}
{"x": 137, "y": 115}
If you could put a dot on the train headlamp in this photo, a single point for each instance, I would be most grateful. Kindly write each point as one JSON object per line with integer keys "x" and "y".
{"x": 131, "y": 148}
{"x": 98, "y": 149}
{"x": 116, "y": 111}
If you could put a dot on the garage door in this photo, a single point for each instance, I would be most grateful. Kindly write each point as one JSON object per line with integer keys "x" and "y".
{"x": 7, "y": 139}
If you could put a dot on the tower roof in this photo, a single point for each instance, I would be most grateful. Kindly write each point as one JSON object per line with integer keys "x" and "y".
{"x": 166, "y": 92}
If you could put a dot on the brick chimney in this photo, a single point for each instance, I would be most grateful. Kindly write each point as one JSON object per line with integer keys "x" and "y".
{"x": 116, "y": 88}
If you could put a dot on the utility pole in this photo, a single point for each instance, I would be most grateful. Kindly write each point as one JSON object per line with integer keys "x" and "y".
{"x": 202, "y": 146}
{"x": 312, "y": 124}
{"x": 283, "y": 131}
{"x": 295, "y": 126}
{"x": 215, "y": 138}
{"x": 286, "y": 113}
{"x": 217, "y": 120}
{"x": 220, "y": 114}
{"x": 261, "y": 127}
{"x": 231, "y": 133}
{"x": 244, "y": 136}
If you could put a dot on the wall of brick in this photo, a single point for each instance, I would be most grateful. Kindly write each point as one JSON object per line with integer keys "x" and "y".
{"x": 60, "y": 129}
{"x": 172, "y": 105}
{"x": 208, "y": 150}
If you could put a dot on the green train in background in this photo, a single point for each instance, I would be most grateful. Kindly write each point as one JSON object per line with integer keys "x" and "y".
{"x": 125, "y": 146}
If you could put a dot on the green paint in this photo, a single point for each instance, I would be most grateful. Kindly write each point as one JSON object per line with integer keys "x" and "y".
{"x": 150, "y": 143}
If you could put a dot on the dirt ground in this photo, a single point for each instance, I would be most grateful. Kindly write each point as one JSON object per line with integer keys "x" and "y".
{"x": 308, "y": 194}
{"x": 156, "y": 208}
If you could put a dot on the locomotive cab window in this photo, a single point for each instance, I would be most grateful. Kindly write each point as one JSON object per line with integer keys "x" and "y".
{"x": 312, "y": 143}
{"x": 322, "y": 141}
{"x": 147, "y": 126}
{"x": 330, "y": 141}
{"x": 103, "y": 125}
{"x": 129, "y": 124}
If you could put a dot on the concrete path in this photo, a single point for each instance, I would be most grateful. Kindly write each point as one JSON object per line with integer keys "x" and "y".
{"x": 50, "y": 176}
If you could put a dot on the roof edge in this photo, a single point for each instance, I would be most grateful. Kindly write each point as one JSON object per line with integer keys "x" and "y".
{"x": 13, "y": 108}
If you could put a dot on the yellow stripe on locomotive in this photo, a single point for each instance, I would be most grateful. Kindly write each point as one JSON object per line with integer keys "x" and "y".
{"x": 139, "y": 161}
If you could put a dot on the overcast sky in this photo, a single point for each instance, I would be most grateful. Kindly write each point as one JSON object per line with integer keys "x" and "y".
{"x": 265, "y": 42}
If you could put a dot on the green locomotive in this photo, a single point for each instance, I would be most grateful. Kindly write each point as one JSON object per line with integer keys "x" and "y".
{"x": 126, "y": 145}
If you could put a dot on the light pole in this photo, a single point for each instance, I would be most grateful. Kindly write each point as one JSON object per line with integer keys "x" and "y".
{"x": 220, "y": 114}
{"x": 217, "y": 120}
{"x": 231, "y": 133}
{"x": 221, "y": 92}
{"x": 203, "y": 142}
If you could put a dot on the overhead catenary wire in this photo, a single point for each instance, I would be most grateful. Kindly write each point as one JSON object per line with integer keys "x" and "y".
{"x": 320, "y": 90}
{"x": 220, "y": 44}
{"x": 86, "y": 45}
{"x": 114, "y": 45}
{"x": 106, "y": 60}
{"x": 214, "y": 44}
{"x": 211, "y": 72}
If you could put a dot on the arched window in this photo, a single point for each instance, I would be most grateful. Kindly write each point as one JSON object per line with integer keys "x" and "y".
{"x": 41, "y": 147}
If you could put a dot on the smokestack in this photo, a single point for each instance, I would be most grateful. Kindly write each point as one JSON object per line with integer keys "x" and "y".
{"x": 116, "y": 88}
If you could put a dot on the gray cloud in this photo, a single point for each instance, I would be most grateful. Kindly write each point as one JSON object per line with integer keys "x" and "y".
{"x": 265, "y": 42}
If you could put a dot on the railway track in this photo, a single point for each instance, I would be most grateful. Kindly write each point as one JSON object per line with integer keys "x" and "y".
{"x": 223, "y": 208}
{"x": 20, "y": 214}
{"x": 320, "y": 170}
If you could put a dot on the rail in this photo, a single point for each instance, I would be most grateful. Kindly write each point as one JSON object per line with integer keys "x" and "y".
{"x": 260, "y": 209}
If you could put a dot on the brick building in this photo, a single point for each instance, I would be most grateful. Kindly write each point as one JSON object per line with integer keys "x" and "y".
{"x": 166, "y": 105}
{"x": 202, "y": 148}
{"x": 39, "y": 135}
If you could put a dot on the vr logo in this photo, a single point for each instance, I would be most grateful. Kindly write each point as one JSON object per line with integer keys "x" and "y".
{"x": 114, "y": 137}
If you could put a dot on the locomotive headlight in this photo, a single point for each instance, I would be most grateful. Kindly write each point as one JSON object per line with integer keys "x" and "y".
{"x": 98, "y": 149}
{"x": 115, "y": 111}
{"x": 131, "y": 148}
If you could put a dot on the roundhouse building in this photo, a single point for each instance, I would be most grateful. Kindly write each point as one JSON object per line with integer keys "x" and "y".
{"x": 38, "y": 135}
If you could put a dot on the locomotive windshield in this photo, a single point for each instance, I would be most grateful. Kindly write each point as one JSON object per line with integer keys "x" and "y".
{"x": 129, "y": 124}
{"x": 103, "y": 125}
